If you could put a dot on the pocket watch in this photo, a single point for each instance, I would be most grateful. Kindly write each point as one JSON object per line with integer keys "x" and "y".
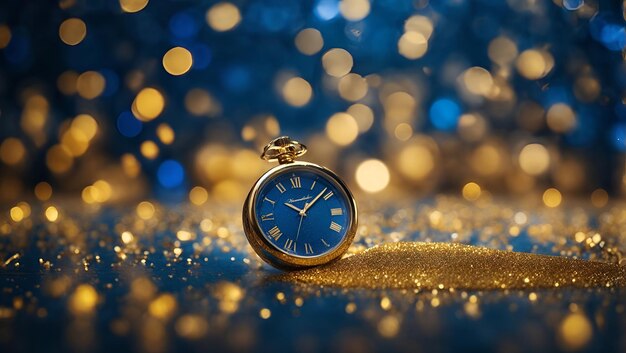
{"x": 298, "y": 214}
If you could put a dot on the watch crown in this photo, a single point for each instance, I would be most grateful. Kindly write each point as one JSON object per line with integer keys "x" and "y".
{"x": 283, "y": 149}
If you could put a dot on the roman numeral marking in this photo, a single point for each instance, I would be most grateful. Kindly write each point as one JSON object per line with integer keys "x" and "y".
{"x": 336, "y": 227}
{"x": 336, "y": 211}
{"x": 325, "y": 243}
{"x": 281, "y": 188}
{"x": 328, "y": 196}
{"x": 270, "y": 201}
{"x": 295, "y": 183}
{"x": 313, "y": 185}
{"x": 290, "y": 245}
{"x": 267, "y": 217}
{"x": 308, "y": 248}
{"x": 275, "y": 233}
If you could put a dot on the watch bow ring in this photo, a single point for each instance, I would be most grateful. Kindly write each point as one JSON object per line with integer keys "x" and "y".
{"x": 298, "y": 214}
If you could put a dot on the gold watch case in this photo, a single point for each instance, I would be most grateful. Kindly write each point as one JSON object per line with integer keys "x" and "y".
{"x": 269, "y": 252}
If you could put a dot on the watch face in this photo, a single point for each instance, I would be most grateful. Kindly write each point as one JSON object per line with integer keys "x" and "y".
{"x": 303, "y": 212}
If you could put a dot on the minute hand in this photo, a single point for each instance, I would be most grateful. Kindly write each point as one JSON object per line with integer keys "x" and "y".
{"x": 308, "y": 205}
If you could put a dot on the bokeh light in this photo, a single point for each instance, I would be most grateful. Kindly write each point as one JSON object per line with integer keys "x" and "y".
{"x": 372, "y": 175}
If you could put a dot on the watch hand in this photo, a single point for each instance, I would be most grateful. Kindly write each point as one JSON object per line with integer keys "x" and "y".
{"x": 299, "y": 225}
{"x": 293, "y": 207}
{"x": 308, "y": 205}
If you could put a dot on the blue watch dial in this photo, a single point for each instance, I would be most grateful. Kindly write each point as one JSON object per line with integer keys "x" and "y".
{"x": 303, "y": 212}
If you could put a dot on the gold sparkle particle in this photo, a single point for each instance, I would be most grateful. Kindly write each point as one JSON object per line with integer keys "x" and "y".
{"x": 72, "y": 31}
{"x": 177, "y": 61}
{"x": 354, "y": 10}
{"x": 148, "y": 104}
{"x": 5, "y": 36}
{"x": 145, "y": 210}
{"x": 52, "y": 214}
{"x": 90, "y": 84}
{"x": 265, "y": 313}
{"x": 127, "y": 237}
{"x": 12, "y": 151}
{"x": 149, "y": 149}
{"x": 165, "y": 133}
{"x": 337, "y": 62}
{"x": 198, "y": 195}
{"x": 471, "y": 191}
{"x": 83, "y": 300}
{"x": 309, "y": 41}
{"x": 342, "y": 129}
{"x": 131, "y": 6}
{"x": 43, "y": 191}
{"x": 534, "y": 64}
{"x": 552, "y": 197}
{"x": 575, "y": 331}
{"x": 185, "y": 235}
{"x": 223, "y": 16}
{"x": 412, "y": 45}
{"x": 427, "y": 265}
{"x": 350, "y": 308}
{"x": 372, "y": 175}
{"x": 534, "y": 159}
{"x": 297, "y": 92}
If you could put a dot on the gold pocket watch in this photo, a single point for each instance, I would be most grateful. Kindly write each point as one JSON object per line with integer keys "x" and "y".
{"x": 298, "y": 214}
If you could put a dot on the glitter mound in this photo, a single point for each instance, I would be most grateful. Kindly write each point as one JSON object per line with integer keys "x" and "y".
{"x": 416, "y": 265}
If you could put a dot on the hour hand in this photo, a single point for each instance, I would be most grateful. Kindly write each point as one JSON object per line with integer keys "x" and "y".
{"x": 293, "y": 207}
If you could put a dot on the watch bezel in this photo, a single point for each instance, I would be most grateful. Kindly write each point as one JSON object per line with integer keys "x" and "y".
{"x": 267, "y": 251}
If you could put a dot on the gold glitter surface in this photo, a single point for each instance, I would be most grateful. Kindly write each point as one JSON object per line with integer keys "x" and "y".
{"x": 414, "y": 265}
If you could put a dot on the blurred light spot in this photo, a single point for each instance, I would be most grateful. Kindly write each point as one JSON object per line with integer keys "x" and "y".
{"x": 478, "y": 81}
{"x": 342, "y": 129}
{"x": 502, "y": 50}
{"x": 389, "y": 326}
{"x": 75, "y": 142}
{"x": 416, "y": 162}
{"x": 534, "y": 159}
{"x": 170, "y": 174}
{"x": 372, "y": 175}
{"x": 90, "y": 84}
{"x": 403, "y": 131}
{"x": 163, "y": 307}
{"x": 363, "y": 115}
{"x": 145, "y": 210}
{"x": 130, "y": 165}
{"x": 412, "y": 45}
{"x": 486, "y": 159}
{"x": 552, "y": 197}
{"x": 66, "y": 83}
{"x": 573, "y": 4}
{"x": 16, "y": 214}
{"x": 149, "y": 149}
{"x": 471, "y": 191}
{"x": 12, "y": 151}
{"x": 326, "y": 9}
{"x": 52, "y": 214}
{"x": 223, "y": 16}
{"x": 86, "y": 124}
{"x": 309, "y": 41}
{"x": 177, "y": 61}
{"x": 43, "y": 191}
{"x": 599, "y": 198}
{"x": 199, "y": 102}
{"x": 72, "y": 31}
{"x": 337, "y": 62}
{"x": 534, "y": 64}
{"x": 128, "y": 125}
{"x": 127, "y": 237}
{"x": 191, "y": 326}
{"x": 148, "y": 104}
{"x": 83, "y": 300}
{"x": 352, "y": 87}
{"x": 561, "y": 118}
{"x": 587, "y": 89}
{"x": 575, "y": 332}
{"x": 5, "y": 36}
{"x": 133, "y": 5}
{"x": 444, "y": 114}
{"x": 165, "y": 134}
{"x": 59, "y": 159}
{"x": 472, "y": 127}
{"x": 419, "y": 24}
{"x": 265, "y": 313}
{"x": 354, "y": 10}
{"x": 297, "y": 92}
{"x": 198, "y": 195}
